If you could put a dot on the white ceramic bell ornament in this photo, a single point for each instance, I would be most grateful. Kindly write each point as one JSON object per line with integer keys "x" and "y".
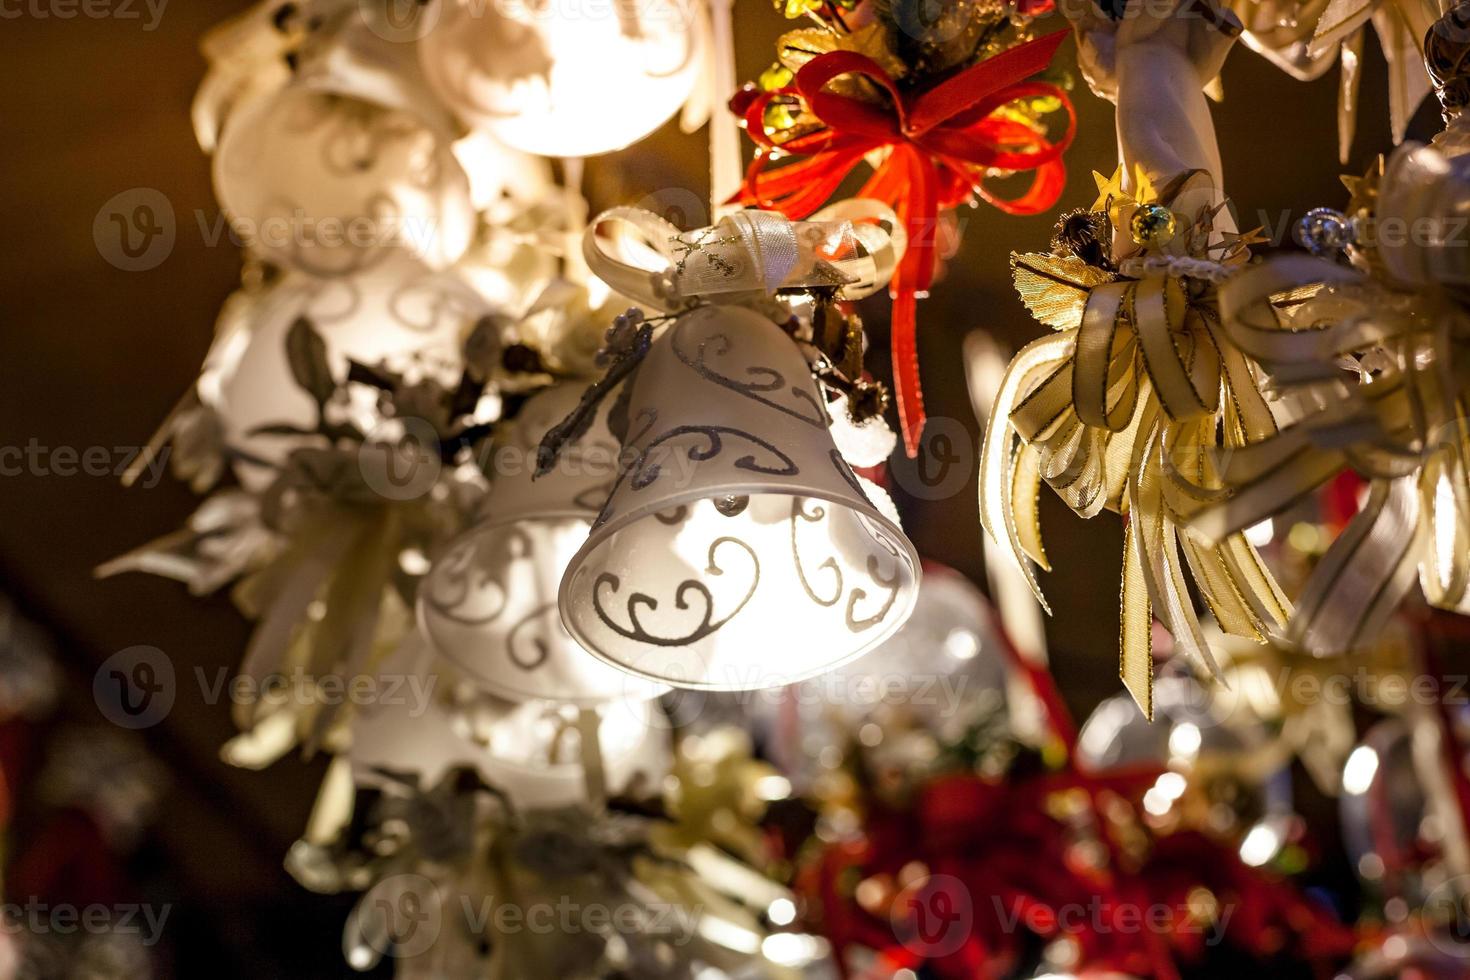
{"x": 488, "y": 605}
{"x": 738, "y": 549}
{"x": 563, "y": 79}
{"x": 401, "y": 315}
{"x": 330, "y": 184}
{"x": 531, "y": 750}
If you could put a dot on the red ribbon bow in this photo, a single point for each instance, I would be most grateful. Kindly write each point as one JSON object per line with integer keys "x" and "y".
{"x": 936, "y": 141}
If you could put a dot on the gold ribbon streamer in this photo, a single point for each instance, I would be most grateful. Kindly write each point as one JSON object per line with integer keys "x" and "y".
{"x": 1303, "y": 39}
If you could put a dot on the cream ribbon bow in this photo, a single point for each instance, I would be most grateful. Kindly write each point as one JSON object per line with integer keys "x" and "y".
{"x": 745, "y": 257}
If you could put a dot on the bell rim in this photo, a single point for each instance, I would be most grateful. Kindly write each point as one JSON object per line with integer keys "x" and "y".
{"x": 477, "y": 677}
{"x": 645, "y": 511}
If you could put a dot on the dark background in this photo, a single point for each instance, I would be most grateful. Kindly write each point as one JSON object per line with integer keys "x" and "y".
{"x": 95, "y": 356}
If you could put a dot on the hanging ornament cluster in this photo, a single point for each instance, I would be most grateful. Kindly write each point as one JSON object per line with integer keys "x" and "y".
{"x": 445, "y": 458}
{"x": 1368, "y": 336}
{"x": 1164, "y": 393}
{"x": 1363, "y": 339}
{"x": 542, "y": 471}
{"x": 1206, "y": 399}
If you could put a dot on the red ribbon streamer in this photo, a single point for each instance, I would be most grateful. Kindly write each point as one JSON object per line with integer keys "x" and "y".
{"x": 936, "y": 140}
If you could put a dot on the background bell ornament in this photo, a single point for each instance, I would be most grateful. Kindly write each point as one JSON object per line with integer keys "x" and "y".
{"x": 1221, "y": 772}
{"x": 531, "y": 751}
{"x": 488, "y": 605}
{"x": 400, "y": 315}
{"x": 926, "y": 686}
{"x": 563, "y": 80}
{"x": 330, "y": 184}
{"x": 737, "y": 550}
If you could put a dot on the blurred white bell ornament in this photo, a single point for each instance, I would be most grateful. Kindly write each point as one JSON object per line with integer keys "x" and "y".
{"x": 246, "y": 56}
{"x": 938, "y": 675}
{"x": 343, "y": 47}
{"x": 530, "y": 750}
{"x": 330, "y": 185}
{"x": 1243, "y": 782}
{"x": 1392, "y": 828}
{"x": 400, "y": 315}
{"x": 489, "y": 603}
{"x": 512, "y": 258}
{"x": 559, "y": 79}
{"x": 949, "y": 638}
{"x": 737, "y": 549}
{"x": 367, "y": 51}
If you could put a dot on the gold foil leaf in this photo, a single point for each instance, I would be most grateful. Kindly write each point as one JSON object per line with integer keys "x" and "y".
{"x": 1055, "y": 288}
{"x": 796, "y": 48}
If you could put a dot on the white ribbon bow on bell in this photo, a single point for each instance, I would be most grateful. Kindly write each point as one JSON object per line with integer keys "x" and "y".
{"x": 749, "y": 254}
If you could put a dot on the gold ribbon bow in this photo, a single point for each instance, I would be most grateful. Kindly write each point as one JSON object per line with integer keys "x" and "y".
{"x": 745, "y": 257}
{"x": 1124, "y": 409}
{"x": 1377, "y": 379}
